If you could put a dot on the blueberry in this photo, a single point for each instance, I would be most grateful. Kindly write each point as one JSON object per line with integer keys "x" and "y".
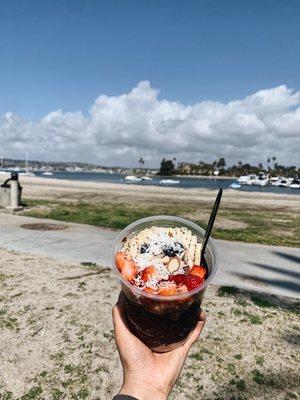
{"x": 181, "y": 248}
{"x": 144, "y": 248}
{"x": 169, "y": 251}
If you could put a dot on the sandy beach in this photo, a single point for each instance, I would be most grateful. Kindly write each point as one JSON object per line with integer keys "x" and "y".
{"x": 57, "y": 340}
{"x": 58, "y": 189}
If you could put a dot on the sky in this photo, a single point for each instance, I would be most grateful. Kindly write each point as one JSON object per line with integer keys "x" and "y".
{"x": 111, "y": 81}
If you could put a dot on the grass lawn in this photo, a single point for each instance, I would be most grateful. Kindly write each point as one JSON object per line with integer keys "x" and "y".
{"x": 266, "y": 226}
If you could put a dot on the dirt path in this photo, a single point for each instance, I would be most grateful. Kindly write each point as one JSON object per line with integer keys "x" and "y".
{"x": 57, "y": 340}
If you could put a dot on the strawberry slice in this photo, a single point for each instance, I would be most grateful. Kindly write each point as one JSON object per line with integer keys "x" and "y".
{"x": 199, "y": 271}
{"x": 129, "y": 270}
{"x": 148, "y": 273}
{"x": 168, "y": 290}
{"x": 182, "y": 289}
{"x": 193, "y": 281}
{"x": 178, "y": 278}
{"x": 121, "y": 258}
{"x": 150, "y": 290}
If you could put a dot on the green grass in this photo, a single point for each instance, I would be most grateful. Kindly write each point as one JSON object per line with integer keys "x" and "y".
{"x": 34, "y": 393}
{"x": 88, "y": 264}
{"x": 266, "y": 226}
{"x": 259, "y": 360}
{"x": 238, "y": 356}
{"x": 7, "y": 322}
{"x": 197, "y": 356}
{"x": 262, "y": 302}
{"x": 225, "y": 291}
{"x": 7, "y": 395}
{"x": 252, "y": 318}
{"x": 258, "y": 377}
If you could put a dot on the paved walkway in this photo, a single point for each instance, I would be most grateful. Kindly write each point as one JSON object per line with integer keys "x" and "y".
{"x": 271, "y": 269}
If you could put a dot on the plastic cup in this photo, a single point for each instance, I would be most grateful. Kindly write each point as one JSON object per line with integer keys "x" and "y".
{"x": 163, "y": 323}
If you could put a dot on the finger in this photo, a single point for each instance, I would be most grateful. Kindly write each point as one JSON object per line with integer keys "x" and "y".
{"x": 196, "y": 332}
{"x": 122, "y": 332}
{"x": 119, "y": 320}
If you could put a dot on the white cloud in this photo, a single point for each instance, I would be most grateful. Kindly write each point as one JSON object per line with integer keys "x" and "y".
{"x": 119, "y": 129}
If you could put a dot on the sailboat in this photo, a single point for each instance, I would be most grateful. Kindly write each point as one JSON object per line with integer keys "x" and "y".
{"x": 27, "y": 173}
{"x": 2, "y": 167}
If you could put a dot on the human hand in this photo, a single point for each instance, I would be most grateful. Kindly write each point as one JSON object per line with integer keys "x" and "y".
{"x": 148, "y": 375}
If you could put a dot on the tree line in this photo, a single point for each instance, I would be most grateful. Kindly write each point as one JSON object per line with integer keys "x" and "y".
{"x": 169, "y": 167}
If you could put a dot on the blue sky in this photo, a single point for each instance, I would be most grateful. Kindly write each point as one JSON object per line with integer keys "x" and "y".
{"x": 63, "y": 54}
{"x": 111, "y": 81}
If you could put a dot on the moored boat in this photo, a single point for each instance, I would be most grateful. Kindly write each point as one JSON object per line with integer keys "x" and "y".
{"x": 169, "y": 182}
{"x": 274, "y": 181}
{"x": 295, "y": 184}
{"x": 132, "y": 178}
{"x": 261, "y": 180}
{"x": 246, "y": 179}
{"x": 235, "y": 185}
{"x": 284, "y": 182}
{"x": 27, "y": 174}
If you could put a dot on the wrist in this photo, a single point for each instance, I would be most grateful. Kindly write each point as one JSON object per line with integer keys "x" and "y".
{"x": 142, "y": 390}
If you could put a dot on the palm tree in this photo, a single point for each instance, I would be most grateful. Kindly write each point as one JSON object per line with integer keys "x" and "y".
{"x": 141, "y": 161}
{"x": 274, "y": 159}
{"x": 221, "y": 163}
{"x": 240, "y": 163}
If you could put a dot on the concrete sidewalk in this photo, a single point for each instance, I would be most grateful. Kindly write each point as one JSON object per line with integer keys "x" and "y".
{"x": 270, "y": 269}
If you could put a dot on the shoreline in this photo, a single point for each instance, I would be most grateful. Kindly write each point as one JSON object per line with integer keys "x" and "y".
{"x": 71, "y": 183}
{"x": 104, "y": 192}
{"x": 212, "y": 177}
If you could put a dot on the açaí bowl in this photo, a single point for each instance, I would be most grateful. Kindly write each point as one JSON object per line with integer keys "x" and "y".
{"x": 164, "y": 323}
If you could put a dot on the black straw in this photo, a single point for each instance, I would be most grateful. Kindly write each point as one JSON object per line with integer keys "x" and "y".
{"x": 211, "y": 223}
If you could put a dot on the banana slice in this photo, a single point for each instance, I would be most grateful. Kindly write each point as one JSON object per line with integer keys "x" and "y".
{"x": 134, "y": 246}
{"x": 165, "y": 260}
{"x": 198, "y": 253}
{"x": 144, "y": 236}
{"x": 192, "y": 247}
{"x": 188, "y": 239}
{"x": 173, "y": 264}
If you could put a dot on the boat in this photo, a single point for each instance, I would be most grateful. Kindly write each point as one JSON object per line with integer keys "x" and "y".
{"x": 169, "y": 182}
{"x": 146, "y": 178}
{"x": 47, "y": 173}
{"x": 27, "y": 172}
{"x": 295, "y": 184}
{"x": 274, "y": 181}
{"x": 235, "y": 185}
{"x": 261, "y": 180}
{"x": 132, "y": 178}
{"x": 246, "y": 179}
{"x": 284, "y": 182}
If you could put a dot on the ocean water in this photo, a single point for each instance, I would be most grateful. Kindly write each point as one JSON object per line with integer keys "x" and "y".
{"x": 185, "y": 182}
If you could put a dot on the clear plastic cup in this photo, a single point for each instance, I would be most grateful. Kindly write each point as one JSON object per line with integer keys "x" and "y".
{"x": 164, "y": 323}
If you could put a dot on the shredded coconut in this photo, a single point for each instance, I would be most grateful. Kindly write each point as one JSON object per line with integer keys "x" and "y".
{"x": 157, "y": 247}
